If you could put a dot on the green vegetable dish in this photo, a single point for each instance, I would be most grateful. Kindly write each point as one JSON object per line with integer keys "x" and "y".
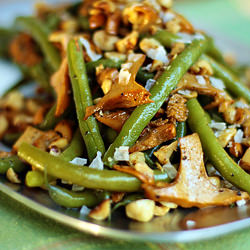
{"x": 134, "y": 109}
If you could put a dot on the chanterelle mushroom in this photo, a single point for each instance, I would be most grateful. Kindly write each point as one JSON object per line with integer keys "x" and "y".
{"x": 192, "y": 187}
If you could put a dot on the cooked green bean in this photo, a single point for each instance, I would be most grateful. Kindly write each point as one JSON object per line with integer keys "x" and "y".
{"x": 181, "y": 130}
{"x": 83, "y": 98}
{"x": 233, "y": 84}
{"x": 34, "y": 178}
{"x": 166, "y": 38}
{"x": 40, "y": 33}
{"x": 10, "y": 138}
{"x": 70, "y": 199}
{"x": 38, "y": 73}
{"x": 142, "y": 115}
{"x": 110, "y": 180}
{"x": 50, "y": 120}
{"x": 232, "y": 172}
{"x": 11, "y": 162}
{"x": 6, "y": 36}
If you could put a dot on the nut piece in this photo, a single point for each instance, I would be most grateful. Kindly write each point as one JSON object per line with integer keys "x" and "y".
{"x": 154, "y": 49}
{"x": 225, "y": 136}
{"x": 115, "y": 56}
{"x": 202, "y": 67}
{"x": 104, "y": 41}
{"x": 12, "y": 176}
{"x": 245, "y": 161}
{"x": 128, "y": 42}
{"x": 102, "y": 211}
{"x": 141, "y": 210}
{"x": 14, "y": 101}
{"x": 161, "y": 210}
{"x": 236, "y": 150}
{"x": 165, "y": 3}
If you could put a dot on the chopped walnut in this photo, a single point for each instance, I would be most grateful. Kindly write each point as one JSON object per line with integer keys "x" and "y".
{"x": 105, "y": 41}
{"x": 102, "y": 211}
{"x": 106, "y": 77}
{"x": 202, "y": 67}
{"x": 236, "y": 149}
{"x": 177, "y": 49}
{"x": 12, "y": 176}
{"x": 176, "y": 109}
{"x": 140, "y": 15}
{"x": 127, "y": 43}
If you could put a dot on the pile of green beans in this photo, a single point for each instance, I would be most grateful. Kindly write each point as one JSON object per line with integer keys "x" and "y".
{"x": 142, "y": 115}
{"x": 98, "y": 184}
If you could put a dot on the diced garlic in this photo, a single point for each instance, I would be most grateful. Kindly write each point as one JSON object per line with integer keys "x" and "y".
{"x": 217, "y": 125}
{"x": 93, "y": 55}
{"x": 97, "y": 163}
{"x": 201, "y": 80}
{"x": 84, "y": 210}
{"x": 77, "y": 188}
{"x": 121, "y": 153}
{"x": 149, "y": 84}
{"x": 170, "y": 170}
{"x": 190, "y": 224}
{"x": 241, "y": 203}
{"x": 217, "y": 83}
{"x": 141, "y": 210}
{"x": 238, "y": 136}
{"x": 79, "y": 161}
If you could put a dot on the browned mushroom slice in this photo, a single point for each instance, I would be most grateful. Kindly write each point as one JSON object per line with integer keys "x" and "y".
{"x": 114, "y": 120}
{"x": 192, "y": 187}
{"x": 126, "y": 92}
{"x": 60, "y": 82}
{"x": 154, "y": 137}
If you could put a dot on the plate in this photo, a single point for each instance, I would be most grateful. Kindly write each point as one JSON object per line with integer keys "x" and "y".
{"x": 180, "y": 225}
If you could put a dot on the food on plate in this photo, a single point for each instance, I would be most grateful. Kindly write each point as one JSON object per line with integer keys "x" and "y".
{"x": 133, "y": 109}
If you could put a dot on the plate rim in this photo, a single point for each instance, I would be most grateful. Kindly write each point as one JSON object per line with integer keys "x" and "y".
{"x": 183, "y": 236}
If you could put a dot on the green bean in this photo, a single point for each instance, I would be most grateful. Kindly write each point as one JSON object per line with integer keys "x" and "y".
{"x": 181, "y": 130}
{"x": 166, "y": 38}
{"x": 34, "y": 178}
{"x": 39, "y": 74}
{"x": 107, "y": 63}
{"x": 6, "y": 36}
{"x": 11, "y": 162}
{"x": 83, "y": 98}
{"x": 50, "y": 120}
{"x": 142, "y": 115}
{"x": 110, "y": 180}
{"x": 10, "y": 138}
{"x": 233, "y": 84}
{"x": 75, "y": 149}
{"x": 52, "y": 21}
{"x": 70, "y": 199}
{"x": 142, "y": 76}
{"x": 232, "y": 172}
{"x": 148, "y": 160}
{"x": 40, "y": 33}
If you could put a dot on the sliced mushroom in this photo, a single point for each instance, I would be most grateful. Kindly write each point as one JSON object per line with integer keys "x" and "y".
{"x": 126, "y": 92}
{"x": 192, "y": 187}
